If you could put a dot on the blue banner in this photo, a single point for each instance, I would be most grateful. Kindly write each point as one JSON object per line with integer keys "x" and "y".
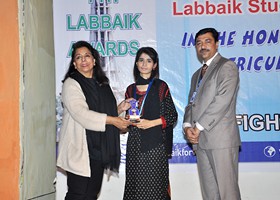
{"x": 249, "y": 152}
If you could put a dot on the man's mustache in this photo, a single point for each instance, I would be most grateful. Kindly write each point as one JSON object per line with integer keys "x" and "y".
{"x": 203, "y": 50}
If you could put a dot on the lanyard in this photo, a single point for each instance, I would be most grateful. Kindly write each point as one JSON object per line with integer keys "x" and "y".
{"x": 196, "y": 89}
{"x": 149, "y": 87}
{"x": 198, "y": 84}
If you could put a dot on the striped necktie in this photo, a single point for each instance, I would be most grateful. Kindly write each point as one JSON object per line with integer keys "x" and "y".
{"x": 203, "y": 70}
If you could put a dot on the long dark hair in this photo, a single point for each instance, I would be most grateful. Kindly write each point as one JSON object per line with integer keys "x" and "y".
{"x": 98, "y": 73}
{"x": 153, "y": 55}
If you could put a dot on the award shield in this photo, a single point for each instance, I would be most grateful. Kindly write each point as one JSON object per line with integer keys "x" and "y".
{"x": 133, "y": 112}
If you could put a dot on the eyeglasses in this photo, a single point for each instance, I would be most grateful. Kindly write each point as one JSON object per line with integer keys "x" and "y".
{"x": 80, "y": 57}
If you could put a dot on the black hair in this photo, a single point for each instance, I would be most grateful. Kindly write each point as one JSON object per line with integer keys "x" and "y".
{"x": 153, "y": 55}
{"x": 214, "y": 32}
{"x": 98, "y": 73}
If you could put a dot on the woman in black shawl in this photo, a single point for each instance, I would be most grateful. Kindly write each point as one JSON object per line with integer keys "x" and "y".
{"x": 89, "y": 137}
{"x": 149, "y": 142}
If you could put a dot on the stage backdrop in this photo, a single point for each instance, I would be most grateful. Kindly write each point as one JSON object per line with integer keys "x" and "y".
{"x": 249, "y": 35}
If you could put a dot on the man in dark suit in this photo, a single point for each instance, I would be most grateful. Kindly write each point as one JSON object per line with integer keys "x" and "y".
{"x": 210, "y": 120}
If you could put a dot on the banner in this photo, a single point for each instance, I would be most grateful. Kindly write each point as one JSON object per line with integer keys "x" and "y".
{"x": 249, "y": 35}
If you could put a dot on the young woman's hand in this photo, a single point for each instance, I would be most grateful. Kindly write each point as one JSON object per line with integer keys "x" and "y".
{"x": 145, "y": 123}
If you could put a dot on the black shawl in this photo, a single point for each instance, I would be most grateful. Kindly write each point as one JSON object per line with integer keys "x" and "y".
{"x": 104, "y": 146}
{"x": 158, "y": 103}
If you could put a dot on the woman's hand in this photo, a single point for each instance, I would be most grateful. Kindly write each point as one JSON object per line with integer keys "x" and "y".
{"x": 124, "y": 105}
{"x": 145, "y": 123}
{"x": 118, "y": 122}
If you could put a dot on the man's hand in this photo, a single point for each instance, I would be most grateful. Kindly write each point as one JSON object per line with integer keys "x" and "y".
{"x": 192, "y": 134}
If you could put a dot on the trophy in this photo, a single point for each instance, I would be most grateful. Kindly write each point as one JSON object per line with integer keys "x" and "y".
{"x": 133, "y": 112}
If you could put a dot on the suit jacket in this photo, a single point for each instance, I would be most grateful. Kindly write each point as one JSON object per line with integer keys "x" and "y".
{"x": 214, "y": 106}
